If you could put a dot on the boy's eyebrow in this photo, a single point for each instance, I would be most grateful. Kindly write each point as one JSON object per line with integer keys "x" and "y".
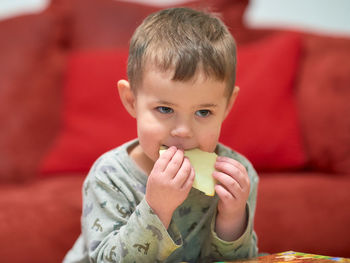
{"x": 166, "y": 103}
{"x": 208, "y": 105}
{"x": 205, "y": 105}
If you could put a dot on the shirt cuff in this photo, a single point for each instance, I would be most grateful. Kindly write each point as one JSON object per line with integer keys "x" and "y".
{"x": 223, "y": 247}
{"x": 169, "y": 240}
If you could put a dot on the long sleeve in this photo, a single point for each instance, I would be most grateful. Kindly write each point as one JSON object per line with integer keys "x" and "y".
{"x": 119, "y": 226}
{"x": 116, "y": 228}
{"x": 246, "y": 245}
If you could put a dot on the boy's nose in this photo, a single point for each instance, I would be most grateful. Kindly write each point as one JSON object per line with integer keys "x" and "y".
{"x": 182, "y": 129}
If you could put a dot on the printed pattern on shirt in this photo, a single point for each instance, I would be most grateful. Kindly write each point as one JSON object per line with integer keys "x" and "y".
{"x": 118, "y": 225}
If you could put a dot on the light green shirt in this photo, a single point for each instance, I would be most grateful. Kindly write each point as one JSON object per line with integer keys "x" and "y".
{"x": 119, "y": 226}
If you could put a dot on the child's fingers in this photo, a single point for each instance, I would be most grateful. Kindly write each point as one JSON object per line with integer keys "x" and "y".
{"x": 231, "y": 161}
{"x": 224, "y": 194}
{"x": 183, "y": 173}
{"x": 174, "y": 164}
{"x": 189, "y": 182}
{"x": 163, "y": 160}
{"x": 235, "y": 170}
{"x": 229, "y": 183}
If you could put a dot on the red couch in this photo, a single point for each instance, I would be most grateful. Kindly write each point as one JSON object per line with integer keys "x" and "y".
{"x": 59, "y": 111}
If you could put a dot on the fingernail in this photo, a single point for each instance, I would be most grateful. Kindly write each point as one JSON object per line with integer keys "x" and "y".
{"x": 180, "y": 150}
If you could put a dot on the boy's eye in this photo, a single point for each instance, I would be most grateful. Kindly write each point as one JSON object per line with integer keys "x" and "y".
{"x": 203, "y": 113}
{"x": 165, "y": 110}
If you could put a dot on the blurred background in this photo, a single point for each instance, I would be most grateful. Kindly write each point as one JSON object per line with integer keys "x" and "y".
{"x": 59, "y": 111}
{"x": 323, "y": 16}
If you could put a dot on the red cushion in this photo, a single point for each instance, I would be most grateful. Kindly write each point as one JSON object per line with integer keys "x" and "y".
{"x": 110, "y": 23}
{"x": 304, "y": 212}
{"x": 263, "y": 124}
{"x": 31, "y": 63}
{"x": 40, "y": 221}
{"x": 94, "y": 119}
{"x": 323, "y": 101}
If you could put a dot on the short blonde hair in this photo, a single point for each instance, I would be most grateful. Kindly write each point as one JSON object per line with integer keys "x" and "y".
{"x": 185, "y": 41}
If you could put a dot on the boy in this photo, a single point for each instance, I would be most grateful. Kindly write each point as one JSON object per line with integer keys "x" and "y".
{"x": 141, "y": 207}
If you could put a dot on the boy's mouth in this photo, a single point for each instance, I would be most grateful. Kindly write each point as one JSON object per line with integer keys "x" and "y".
{"x": 164, "y": 147}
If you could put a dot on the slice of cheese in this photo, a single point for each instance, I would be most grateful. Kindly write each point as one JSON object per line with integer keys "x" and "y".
{"x": 203, "y": 165}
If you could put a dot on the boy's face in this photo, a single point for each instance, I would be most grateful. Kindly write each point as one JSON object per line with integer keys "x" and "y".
{"x": 184, "y": 114}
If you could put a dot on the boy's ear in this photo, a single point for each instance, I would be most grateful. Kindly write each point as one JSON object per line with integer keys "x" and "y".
{"x": 127, "y": 96}
{"x": 231, "y": 100}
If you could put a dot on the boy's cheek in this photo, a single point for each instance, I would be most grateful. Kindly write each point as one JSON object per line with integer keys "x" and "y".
{"x": 210, "y": 141}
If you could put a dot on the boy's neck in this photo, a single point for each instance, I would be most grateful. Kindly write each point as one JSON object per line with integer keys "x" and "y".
{"x": 141, "y": 159}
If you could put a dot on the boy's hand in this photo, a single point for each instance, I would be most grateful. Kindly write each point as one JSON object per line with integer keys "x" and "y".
{"x": 169, "y": 183}
{"x": 233, "y": 191}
